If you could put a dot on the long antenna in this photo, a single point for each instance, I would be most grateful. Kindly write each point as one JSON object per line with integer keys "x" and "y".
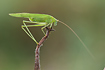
{"x": 78, "y": 38}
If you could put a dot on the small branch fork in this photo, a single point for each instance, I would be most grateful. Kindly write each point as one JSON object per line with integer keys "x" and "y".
{"x": 37, "y": 51}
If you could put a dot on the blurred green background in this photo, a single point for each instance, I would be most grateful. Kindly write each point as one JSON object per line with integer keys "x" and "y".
{"x": 62, "y": 50}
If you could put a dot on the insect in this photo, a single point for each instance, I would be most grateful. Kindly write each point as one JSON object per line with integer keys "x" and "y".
{"x": 42, "y": 20}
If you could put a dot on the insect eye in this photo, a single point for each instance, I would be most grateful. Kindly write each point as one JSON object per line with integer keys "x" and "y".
{"x": 55, "y": 23}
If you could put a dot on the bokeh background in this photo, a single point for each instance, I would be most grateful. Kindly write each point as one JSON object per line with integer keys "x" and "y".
{"x": 62, "y": 50}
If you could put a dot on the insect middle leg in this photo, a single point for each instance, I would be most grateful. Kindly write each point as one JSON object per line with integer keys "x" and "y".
{"x": 44, "y": 27}
{"x": 28, "y": 31}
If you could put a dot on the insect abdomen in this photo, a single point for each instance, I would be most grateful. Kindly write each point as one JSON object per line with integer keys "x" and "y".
{"x": 34, "y": 17}
{"x": 28, "y": 15}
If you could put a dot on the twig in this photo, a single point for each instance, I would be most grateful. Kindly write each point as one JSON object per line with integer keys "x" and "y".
{"x": 37, "y": 51}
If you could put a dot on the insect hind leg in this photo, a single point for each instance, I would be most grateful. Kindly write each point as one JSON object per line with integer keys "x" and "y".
{"x": 28, "y": 32}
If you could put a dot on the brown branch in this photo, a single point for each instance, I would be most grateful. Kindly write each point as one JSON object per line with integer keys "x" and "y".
{"x": 37, "y": 51}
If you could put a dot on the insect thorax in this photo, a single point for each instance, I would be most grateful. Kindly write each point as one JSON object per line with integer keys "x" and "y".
{"x": 48, "y": 19}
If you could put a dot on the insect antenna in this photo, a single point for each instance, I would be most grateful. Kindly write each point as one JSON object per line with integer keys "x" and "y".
{"x": 77, "y": 37}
